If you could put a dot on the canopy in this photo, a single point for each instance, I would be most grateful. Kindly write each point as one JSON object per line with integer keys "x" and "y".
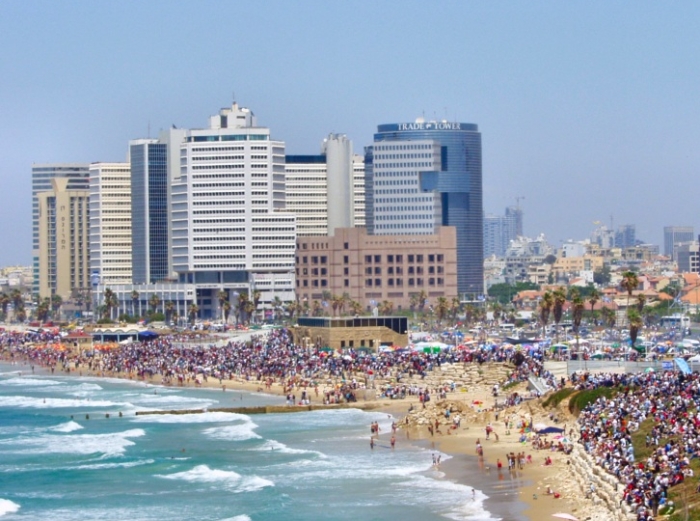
{"x": 147, "y": 335}
{"x": 550, "y": 430}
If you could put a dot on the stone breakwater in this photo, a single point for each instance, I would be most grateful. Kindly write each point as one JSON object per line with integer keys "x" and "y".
{"x": 607, "y": 497}
{"x": 463, "y": 375}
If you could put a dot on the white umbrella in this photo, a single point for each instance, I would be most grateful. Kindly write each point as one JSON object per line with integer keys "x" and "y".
{"x": 565, "y": 516}
{"x": 539, "y": 426}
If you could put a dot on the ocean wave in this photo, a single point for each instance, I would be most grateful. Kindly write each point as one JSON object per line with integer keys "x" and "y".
{"x": 239, "y": 432}
{"x": 276, "y": 446}
{"x": 113, "y": 444}
{"x": 21, "y": 381}
{"x": 202, "y": 474}
{"x": 205, "y": 417}
{"x": 67, "y": 427}
{"x": 122, "y": 465}
{"x": 27, "y": 402}
{"x": 242, "y": 517}
{"x": 8, "y": 507}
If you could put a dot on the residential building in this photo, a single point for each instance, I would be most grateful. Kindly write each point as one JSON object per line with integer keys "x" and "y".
{"x": 674, "y": 235}
{"x": 110, "y": 222}
{"x": 523, "y": 253}
{"x": 427, "y": 174}
{"x": 583, "y": 266}
{"x": 371, "y": 268}
{"x": 63, "y": 245}
{"x": 42, "y": 174}
{"x": 230, "y": 230}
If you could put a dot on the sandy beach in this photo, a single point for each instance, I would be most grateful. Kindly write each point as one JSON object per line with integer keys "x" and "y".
{"x": 520, "y": 494}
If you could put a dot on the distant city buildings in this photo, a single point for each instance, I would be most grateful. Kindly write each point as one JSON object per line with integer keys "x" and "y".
{"x": 674, "y": 236}
{"x": 626, "y": 236}
{"x": 500, "y": 230}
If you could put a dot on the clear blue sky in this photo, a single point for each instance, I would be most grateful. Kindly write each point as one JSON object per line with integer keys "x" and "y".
{"x": 587, "y": 108}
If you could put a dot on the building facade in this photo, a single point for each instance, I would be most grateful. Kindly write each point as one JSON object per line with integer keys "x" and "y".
{"x": 63, "y": 225}
{"x": 674, "y": 235}
{"x": 427, "y": 174}
{"x": 371, "y": 269}
{"x": 326, "y": 188}
{"x": 110, "y": 222}
{"x": 499, "y": 230}
{"x": 230, "y": 230}
{"x": 42, "y": 174}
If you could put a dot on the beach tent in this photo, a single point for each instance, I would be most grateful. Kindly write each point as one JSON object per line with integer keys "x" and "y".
{"x": 147, "y": 335}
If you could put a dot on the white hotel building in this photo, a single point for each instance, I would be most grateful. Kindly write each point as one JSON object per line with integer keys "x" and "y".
{"x": 230, "y": 230}
{"x": 110, "y": 222}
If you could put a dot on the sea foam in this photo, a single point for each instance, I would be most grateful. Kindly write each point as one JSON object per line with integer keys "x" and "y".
{"x": 67, "y": 427}
{"x": 8, "y": 507}
{"x": 108, "y": 445}
{"x": 202, "y": 474}
{"x": 205, "y": 417}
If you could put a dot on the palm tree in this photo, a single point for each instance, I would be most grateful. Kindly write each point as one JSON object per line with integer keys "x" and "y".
{"x": 641, "y": 302}
{"x": 344, "y": 301}
{"x": 422, "y": 300}
{"x": 455, "y": 308}
{"x": 56, "y": 303}
{"x": 496, "y": 310}
{"x": 469, "y": 314}
{"x": 316, "y": 309}
{"x": 635, "y": 323}
{"x": 335, "y": 304}
{"x": 577, "y": 307}
{"x": 609, "y": 317}
{"x": 222, "y": 296}
{"x": 154, "y": 302}
{"x": 277, "y": 306}
{"x": 386, "y": 307}
{"x": 42, "y": 310}
{"x": 546, "y": 305}
{"x": 110, "y": 302}
{"x": 356, "y": 307}
{"x": 630, "y": 281}
{"x": 559, "y": 296}
{"x": 134, "y": 300}
{"x": 4, "y": 304}
{"x": 169, "y": 310}
{"x": 292, "y": 308}
{"x": 250, "y": 309}
{"x": 240, "y": 310}
{"x": 256, "y": 302}
{"x": 593, "y": 299}
{"x": 227, "y": 311}
{"x": 192, "y": 311}
{"x": 442, "y": 307}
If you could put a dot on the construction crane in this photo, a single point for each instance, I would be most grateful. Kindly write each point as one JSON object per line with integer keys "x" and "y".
{"x": 518, "y": 198}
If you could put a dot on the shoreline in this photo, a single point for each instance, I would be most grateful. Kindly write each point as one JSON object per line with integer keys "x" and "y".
{"x": 511, "y": 496}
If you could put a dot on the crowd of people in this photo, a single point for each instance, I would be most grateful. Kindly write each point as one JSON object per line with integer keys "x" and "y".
{"x": 607, "y": 425}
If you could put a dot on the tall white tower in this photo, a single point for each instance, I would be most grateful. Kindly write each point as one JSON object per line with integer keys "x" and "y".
{"x": 339, "y": 167}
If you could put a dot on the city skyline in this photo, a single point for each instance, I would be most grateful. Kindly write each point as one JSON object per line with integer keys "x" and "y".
{"x": 582, "y": 109}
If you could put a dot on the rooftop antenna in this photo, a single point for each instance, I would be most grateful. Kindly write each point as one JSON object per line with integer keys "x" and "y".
{"x": 233, "y": 95}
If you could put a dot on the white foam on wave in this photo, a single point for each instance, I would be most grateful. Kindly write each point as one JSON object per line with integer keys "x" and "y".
{"x": 242, "y": 517}
{"x": 276, "y": 446}
{"x": 171, "y": 399}
{"x": 442, "y": 493}
{"x": 122, "y": 465}
{"x": 238, "y": 432}
{"x": 108, "y": 445}
{"x": 8, "y": 507}
{"x": 21, "y": 381}
{"x": 67, "y": 427}
{"x": 205, "y": 417}
{"x": 202, "y": 474}
{"x": 28, "y": 402}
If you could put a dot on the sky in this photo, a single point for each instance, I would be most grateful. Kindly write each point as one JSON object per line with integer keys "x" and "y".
{"x": 589, "y": 110}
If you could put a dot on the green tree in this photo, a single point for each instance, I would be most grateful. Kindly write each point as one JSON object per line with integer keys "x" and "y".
{"x": 577, "y": 307}
{"x": 154, "y": 302}
{"x": 192, "y": 311}
{"x": 169, "y": 310}
{"x": 546, "y": 305}
{"x": 386, "y": 307}
{"x": 602, "y": 276}
{"x": 629, "y": 282}
{"x": 110, "y": 302}
{"x": 135, "y": 300}
{"x": 222, "y": 297}
{"x": 56, "y": 303}
{"x": 609, "y": 317}
{"x": 442, "y": 308}
{"x": 559, "y": 296}
{"x": 593, "y": 299}
{"x": 635, "y": 324}
{"x": 504, "y": 293}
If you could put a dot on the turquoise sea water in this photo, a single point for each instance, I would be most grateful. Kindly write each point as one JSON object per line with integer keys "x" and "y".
{"x": 211, "y": 466}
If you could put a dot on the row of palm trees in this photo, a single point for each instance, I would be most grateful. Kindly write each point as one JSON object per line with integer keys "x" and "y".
{"x": 16, "y": 298}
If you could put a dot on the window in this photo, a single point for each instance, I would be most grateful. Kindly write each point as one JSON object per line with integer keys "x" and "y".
{"x": 431, "y": 270}
{"x": 399, "y": 270}
{"x": 419, "y": 258}
{"x": 390, "y": 270}
{"x": 346, "y": 259}
{"x": 431, "y": 281}
{"x": 411, "y": 258}
{"x": 377, "y": 258}
{"x": 346, "y": 271}
{"x": 377, "y": 271}
{"x": 378, "y": 282}
{"x": 440, "y": 257}
{"x": 324, "y": 259}
{"x": 368, "y": 283}
{"x": 346, "y": 283}
{"x": 399, "y": 282}
{"x": 411, "y": 270}
{"x": 390, "y": 282}
{"x": 390, "y": 258}
{"x": 368, "y": 270}
{"x": 368, "y": 259}
{"x": 346, "y": 245}
{"x": 431, "y": 258}
{"x": 306, "y": 260}
{"x": 399, "y": 258}
{"x": 419, "y": 282}
{"x": 411, "y": 282}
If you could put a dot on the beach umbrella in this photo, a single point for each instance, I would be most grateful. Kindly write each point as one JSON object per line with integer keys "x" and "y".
{"x": 561, "y": 515}
{"x": 649, "y": 370}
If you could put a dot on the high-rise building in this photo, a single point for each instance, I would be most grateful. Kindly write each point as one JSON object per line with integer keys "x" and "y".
{"x": 327, "y": 189}
{"x": 230, "y": 230}
{"x": 110, "y": 222}
{"x": 424, "y": 175}
{"x": 499, "y": 230}
{"x": 674, "y": 235}
{"x": 42, "y": 174}
{"x": 626, "y": 236}
{"x": 150, "y": 213}
{"x": 63, "y": 251}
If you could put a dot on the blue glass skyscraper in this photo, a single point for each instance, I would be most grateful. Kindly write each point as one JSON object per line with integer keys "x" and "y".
{"x": 427, "y": 174}
{"x": 150, "y": 212}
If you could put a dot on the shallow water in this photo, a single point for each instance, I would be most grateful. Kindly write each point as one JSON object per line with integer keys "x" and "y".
{"x": 56, "y": 464}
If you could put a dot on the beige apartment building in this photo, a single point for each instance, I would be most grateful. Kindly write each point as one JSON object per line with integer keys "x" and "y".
{"x": 570, "y": 266}
{"x": 375, "y": 268}
{"x": 64, "y": 260}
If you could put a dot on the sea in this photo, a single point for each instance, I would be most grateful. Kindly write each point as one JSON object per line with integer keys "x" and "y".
{"x": 73, "y": 449}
